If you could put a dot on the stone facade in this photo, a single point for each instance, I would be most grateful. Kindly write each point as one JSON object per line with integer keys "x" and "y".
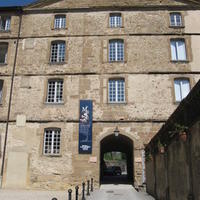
{"x": 147, "y": 70}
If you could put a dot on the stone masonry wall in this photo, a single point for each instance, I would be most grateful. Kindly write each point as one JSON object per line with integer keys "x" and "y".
{"x": 148, "y": 74}
{"x": 172, "y": 170}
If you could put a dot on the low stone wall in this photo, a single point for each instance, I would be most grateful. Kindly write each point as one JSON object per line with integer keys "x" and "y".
{"x": 173, "y": 161}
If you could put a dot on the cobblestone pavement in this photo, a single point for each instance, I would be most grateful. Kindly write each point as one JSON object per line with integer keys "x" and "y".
{"x": 118, "y": 192}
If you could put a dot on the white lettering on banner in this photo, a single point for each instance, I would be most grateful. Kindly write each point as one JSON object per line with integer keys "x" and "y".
{"x": 85, "y": 147}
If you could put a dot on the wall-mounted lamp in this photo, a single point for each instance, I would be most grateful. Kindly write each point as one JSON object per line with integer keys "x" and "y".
{"x": 116, "y": 131}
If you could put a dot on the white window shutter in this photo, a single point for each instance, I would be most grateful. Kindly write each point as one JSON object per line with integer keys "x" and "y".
{"x": 177, "y": 89}
{"x": 185, "y": 88}
{"x": 181, "y": 50}
{"x": 173, "y": 50}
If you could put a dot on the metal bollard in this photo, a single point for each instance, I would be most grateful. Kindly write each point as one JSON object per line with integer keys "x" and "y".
{"x": 91, "y": 185}
{"x": 76, "y": 194}
{"x": 69, "y": 194}
{"x": 88, "y": 188}
{"x": 54, "y": 198}
{"x": 83, "y": 191}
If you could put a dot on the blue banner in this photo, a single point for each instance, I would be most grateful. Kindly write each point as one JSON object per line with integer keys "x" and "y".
{"x": 85, "y": 127}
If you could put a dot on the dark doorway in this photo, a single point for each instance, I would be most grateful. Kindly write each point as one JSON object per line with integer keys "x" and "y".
{"x": 116, "y": 171}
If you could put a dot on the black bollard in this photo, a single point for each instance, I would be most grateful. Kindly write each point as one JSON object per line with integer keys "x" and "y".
{"x": 54, "y": 198}
{"x": 76, "y": 194}
{"x": 69, "y": 194}
{"x": 88, "y": 188}
{"x": 83, "y": 191}
{"x": 91, "y": 184}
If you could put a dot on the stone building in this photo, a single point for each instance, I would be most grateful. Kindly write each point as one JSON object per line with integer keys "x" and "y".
{"x": 136, "y": 60}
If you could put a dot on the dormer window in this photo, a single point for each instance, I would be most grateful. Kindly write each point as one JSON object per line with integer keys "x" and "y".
{"x": 5, "y": 23}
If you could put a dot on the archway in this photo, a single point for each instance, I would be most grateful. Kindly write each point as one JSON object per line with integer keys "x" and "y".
{"x": 109, "y": 172}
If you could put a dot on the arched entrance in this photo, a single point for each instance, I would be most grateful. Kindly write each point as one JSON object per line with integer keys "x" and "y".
{"x": 110, "y": 170}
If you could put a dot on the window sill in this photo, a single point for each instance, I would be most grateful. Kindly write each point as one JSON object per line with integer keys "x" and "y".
{"x": 3, "y": 64}
{"x": 118, "y": 27}
{"x": 117, "y": 103}
{"x": 51, "y": 155}
{"x": 177, "y": 27}
{"x": 177, "y": 103}
{"x": 59, "y": 29}
{"x": 5, "y": 31}
{"x": 54, "y": 104}
{"x": 57, "y": 63}
{"x": 179, "y": 61}
{"x": 114, "y": 62}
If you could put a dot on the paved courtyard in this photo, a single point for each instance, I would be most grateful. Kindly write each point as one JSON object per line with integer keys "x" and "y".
{"x": 106, "y": 192}
{"x": 31, "y": 195}
{"x": 118, "y": 192}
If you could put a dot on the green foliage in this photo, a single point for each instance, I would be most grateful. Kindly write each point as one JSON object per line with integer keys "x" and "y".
{"x": 114, "y": 156}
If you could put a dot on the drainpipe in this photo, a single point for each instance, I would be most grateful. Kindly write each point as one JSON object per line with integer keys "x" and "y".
{"x": 10, "y": 100}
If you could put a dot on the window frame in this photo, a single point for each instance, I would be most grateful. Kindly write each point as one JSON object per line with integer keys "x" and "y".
{"x": 116, "y": 50}
{"x": 52, "y": 154}
{"x": 174, "y": 90}
{"x": 7, "y": 21}
{"x": 6, "y": 55}
{"x": 60, "y": 22}
{"x": 55, "y": 92}
{"x": 176, "y": 40}
{"x": 176, "y": 25}
{"x": 1, "y": 91}
{"x": 58, "y": 42}
{"x": 116, "y": 90}
{"x": 115, "y": 15}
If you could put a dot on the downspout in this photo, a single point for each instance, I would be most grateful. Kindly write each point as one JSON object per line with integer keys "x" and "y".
{"x": 10, "y": 100}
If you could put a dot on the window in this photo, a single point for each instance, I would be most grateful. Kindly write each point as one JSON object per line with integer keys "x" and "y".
{"x": 3, "y": 52}
{"x": 181, "y": 88}
{"x": 4, "y": 23}
{"x": 178, "y": 50}
{"x": 116, "y": 50}
{"x": 60, "y": 21}
{"x": 116, "y": 91}
{"x": 1, "y": 91}
{"x": 55, "y": 91}
{"x": 175, "y": 19}
{"x": 57, "y": 52}
{"x": 51, "y": 142}
{"x": 115, "y": 20}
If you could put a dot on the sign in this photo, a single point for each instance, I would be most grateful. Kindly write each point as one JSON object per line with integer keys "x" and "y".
{"x": 85, "y": 127}
{"x": 93, "y": 159}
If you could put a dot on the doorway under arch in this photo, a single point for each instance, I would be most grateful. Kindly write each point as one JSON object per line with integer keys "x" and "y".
{"x": 109, "y": 172}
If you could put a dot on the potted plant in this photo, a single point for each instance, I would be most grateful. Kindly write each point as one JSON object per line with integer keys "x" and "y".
{"x": 148, "y": 156}
{"x": 161, "y": 147}
{"x": 182, "y": 131}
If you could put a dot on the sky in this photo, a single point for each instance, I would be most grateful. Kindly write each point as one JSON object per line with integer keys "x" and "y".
{"x": 4, "y": 3}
